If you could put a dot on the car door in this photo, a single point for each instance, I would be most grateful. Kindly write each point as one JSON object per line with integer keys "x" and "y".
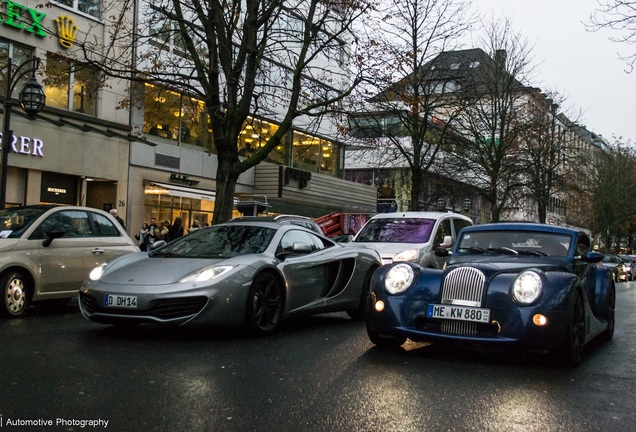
{"x": 443, "y": 229}
{"x": 305, "y": 273}
{"x": 110, "y": 238}
{"x": 66, "y": 261}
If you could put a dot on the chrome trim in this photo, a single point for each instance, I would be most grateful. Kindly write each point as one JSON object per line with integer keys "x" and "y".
{"x": 464, "y": 286}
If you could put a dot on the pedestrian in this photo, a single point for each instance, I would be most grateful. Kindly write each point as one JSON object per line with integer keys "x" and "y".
{"x": 116, "y": 216}
{"x": 151, "y": 230}
{"x": 176, "y": 230}
{"x": 143, "y": 237}
{"x": 195, "y": 226}
{"x": 161, "y": 232}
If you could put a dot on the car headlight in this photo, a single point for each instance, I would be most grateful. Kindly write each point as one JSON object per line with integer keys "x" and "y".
{"x": 399, "y": 278}
{"x": 527, "y": 287}
{"x": 205, "y": 274}
{"x": 97, "y": 272}
{"x": 411, "y": 255}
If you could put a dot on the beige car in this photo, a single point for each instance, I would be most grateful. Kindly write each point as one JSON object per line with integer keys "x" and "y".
{"x": 46, "y": 251}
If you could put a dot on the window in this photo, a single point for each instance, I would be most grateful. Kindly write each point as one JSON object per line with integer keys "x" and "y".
{"x": 89, "y": 7}
{"x": 74, "y": 223}
{"x": 164, "y": 32}
{"x": 296, "y": 236}
{"x": 169, "y": 114}
{"x": 18, "y": 54}
{"x": 104, "y": 227}
{"x": 70, "y": 85}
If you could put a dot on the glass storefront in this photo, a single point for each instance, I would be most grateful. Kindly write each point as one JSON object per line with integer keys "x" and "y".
{"x": 179, "y": 118}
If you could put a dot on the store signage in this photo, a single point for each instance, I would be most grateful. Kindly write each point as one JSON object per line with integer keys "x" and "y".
{"x": 30, "y": 20}
{"x": 302, "y": 176}
{"x": 24, "y": 18}
{"x": 26, "y": 145}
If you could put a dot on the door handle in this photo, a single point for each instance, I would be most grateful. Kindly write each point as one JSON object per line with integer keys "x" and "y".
{"x": 98, "y": 251}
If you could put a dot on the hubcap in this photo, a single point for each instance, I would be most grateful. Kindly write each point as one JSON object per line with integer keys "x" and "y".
{"x": 16, "y": 296}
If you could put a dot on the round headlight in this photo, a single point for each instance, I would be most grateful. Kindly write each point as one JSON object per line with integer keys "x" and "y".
{"x": 527, "y": 287}
{"x": 399, "y": 278}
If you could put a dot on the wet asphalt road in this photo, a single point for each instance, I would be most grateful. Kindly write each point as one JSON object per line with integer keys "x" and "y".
{"x": 316, "y": 374}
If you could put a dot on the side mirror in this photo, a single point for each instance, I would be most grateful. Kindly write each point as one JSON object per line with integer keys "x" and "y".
{"x": 592, "y": 257}
{"x": 52, "y": 234}
{"x": 157, "y": 244}
{"x": 447, "y": 243}
{"x": 442, "y": 252}
{"x": 301, "y": 248}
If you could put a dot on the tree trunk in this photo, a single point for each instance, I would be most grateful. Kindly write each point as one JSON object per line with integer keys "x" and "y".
{"x": 226, "y": 179}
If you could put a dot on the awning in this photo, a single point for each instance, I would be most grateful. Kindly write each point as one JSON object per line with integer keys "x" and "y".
{"x": 184, "y": 191}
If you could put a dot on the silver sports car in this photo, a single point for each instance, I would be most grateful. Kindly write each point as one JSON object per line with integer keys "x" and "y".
{"x": 240, "y": 273}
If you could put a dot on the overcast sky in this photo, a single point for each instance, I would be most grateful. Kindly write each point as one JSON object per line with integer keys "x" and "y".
{"x": 581, "y": 65}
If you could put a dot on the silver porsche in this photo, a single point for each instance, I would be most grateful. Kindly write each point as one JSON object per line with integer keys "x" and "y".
{"x": 249, "y": 273}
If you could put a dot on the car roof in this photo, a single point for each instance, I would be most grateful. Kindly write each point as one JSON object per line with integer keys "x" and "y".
{"x": 419, "y": 215}
{"x": 523, "y": 226}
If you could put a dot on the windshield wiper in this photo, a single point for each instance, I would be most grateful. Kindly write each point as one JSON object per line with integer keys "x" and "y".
{"x": 503, "y": 250}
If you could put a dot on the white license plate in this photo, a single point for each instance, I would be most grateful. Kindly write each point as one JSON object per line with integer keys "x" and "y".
{"x": 460, "y": 313}
{"x": 119, "y": 301}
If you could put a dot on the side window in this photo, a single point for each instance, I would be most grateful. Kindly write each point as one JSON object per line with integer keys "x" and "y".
{"x": 444, "y": 229}
{"x": 460, "y": 224}
{"x": 104, "y": 227}
{"x": 74, "y": 223}
{"x": 297, "y": 236}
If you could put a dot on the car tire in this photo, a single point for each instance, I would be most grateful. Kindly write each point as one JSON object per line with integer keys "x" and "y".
{"x": 15, "y": 294}
{"x": 608, "y": 334}
{"x": 359, "y": 313}
{"x": 385, "y": 342}
{"x": 264, "y": 304}
{"x": 571, "y": 352}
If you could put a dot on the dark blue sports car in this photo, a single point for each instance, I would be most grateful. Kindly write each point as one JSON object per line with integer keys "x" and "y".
{"x": 522, "y": 285}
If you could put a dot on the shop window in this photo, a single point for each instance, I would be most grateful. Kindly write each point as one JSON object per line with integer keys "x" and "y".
{"x": 171, "y": 115}
{"x": 89, "y": 7}
{"x": 18, "y": 54}
{"x": 70, "y": 85}
{"x": 314, "y": 154}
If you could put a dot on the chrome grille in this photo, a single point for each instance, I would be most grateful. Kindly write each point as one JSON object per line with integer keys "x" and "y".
{"x": 459, "y": 328}
{"x": 464, "y": 286}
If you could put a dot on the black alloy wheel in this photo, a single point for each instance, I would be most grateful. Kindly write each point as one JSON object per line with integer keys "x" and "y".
{"x": 264, "y": 304}
{"x": 571, "y": 353}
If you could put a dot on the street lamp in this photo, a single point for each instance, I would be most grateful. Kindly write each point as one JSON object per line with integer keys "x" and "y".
{"x": 31, "y": 100}
{"x": 467, "y": 205}
{"x": 441, "y": 204}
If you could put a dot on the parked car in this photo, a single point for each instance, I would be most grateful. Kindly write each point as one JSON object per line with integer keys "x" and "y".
{"x": 522, "y": 285}
{"x": 616, "y": 266}
{"x": 628, "y": 266}
{"x": 283, "y": 219}
{"x": 411, "y": 236}
{"x": 251, "y": 272}
{"x": 46, "y": 251}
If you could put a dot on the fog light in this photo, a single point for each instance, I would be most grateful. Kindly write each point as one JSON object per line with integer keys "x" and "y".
{"x": 379, "y": 306}
{"x": 539, "y": 320}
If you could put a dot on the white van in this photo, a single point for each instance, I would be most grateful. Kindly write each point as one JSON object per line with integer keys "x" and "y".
{"x": 412, "y": 236}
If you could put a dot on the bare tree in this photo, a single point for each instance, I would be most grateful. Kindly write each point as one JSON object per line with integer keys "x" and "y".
{"x": 410, "y": 110}
{"x": 495, "y": 118}
{"x": 613, "y": 203}
{"x": 619, "y": 16}
{"x": 545, "y": 153}
{"x": 234, "y": 60}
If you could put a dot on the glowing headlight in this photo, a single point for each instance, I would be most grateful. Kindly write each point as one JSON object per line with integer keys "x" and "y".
{"x": 527, "y": 287}
{"x": 97, "y": 272}
{"x": 399, "y": 278}
{"x": 407, "y": 255}
{"x": 205, "y": 274}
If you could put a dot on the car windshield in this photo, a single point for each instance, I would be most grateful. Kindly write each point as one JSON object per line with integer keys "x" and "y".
{"x": 15, "y": 221}
{"x": 626, "y": 259}
{"x": 396, "y": 230}
{"x": 609, "y": 259}
{"x": 535, "y": 243}
{"x": 222, "y": 241}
